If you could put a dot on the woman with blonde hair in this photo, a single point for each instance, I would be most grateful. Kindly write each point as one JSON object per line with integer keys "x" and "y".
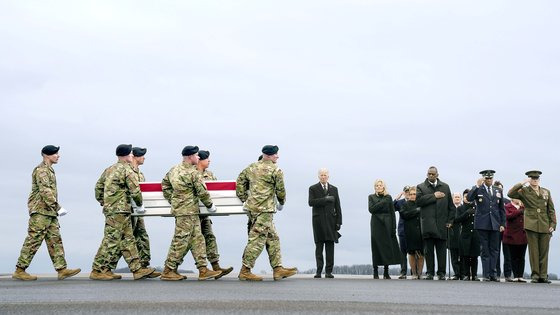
{"x": 384, "y": 246}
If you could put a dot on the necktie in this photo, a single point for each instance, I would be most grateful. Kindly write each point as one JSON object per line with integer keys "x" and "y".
{"x": 489, "y": 191}
{"x": 325, "y": 189}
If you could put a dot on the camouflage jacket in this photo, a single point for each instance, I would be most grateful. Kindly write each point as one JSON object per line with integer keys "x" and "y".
{"x": 242, "y": 183}
{"x": 100, "y": 185}
{"x": 120, "y": 185}
{"x": 266, "y": 183}
{"x": 207, "y": 175}
{"x": 183, "y": 187}
{"x": 43, "y": 198}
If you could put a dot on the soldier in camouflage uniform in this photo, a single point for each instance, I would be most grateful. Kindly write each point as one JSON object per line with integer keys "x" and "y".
{"x": 43, "y": 223}
{"x": 242, "y": 190}
{"x": 266, "y": 183}
{"x": 138, "y": 226}
{"x": 183, "y": 187}
{"x": 120, "y": 186}
{"x": 206, "y": 223}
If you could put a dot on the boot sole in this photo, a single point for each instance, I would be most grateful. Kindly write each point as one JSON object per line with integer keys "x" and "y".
{"x": 247, "y": 279}
{"x": 69, "y": 275}
{"x": 16, "y": 278}
{"x": 283, "y": 277}
{"x": 171, "y": 279}
{"x": 100, "y": 279}
{"x": 224, "y": 272}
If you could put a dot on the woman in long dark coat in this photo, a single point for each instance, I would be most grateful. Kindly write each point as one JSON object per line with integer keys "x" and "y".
{"x": 384, "y": 246}
{"x": 410, "y": 212}
{"x": 469, "y": 243}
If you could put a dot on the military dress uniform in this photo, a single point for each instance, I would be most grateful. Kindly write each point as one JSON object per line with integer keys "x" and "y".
{"x": 43, "y": 221}
{"x": 539, "y": 216}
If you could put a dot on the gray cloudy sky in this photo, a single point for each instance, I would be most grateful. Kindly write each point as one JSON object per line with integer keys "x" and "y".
{"x": 368, "y": 89}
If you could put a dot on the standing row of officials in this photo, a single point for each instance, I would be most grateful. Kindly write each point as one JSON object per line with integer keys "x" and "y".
{"x": 431, "y": 220}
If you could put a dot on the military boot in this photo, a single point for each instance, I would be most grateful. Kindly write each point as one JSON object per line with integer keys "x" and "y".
{"x": 171, "y": 275}
{"x": 246, "y": 275}
{"x": 66, "y": 273}
{"x": 20, "y": 274}
{"x": 204, "y": 273}
{"x": 281, "y": 273}
{"x": 114, "y": 275}
{"x": 216, "y": 267}
{"x": 100, "y": 275}
{"x": 142, "y": 273}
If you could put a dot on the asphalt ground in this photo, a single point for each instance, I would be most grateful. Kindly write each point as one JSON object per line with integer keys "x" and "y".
{"x": 300, "y": 294}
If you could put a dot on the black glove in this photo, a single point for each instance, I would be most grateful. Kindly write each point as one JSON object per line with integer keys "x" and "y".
{"x": 329, "y": 198}
{"x": 338, "y": 227}
{"x": 471, "y": 211}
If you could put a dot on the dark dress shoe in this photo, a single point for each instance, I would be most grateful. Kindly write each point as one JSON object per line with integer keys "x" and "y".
{"x": 402, "y": 277}
{"x": 466, "y": 279}
{"x": 455, "y": 278}
{"x": 386, "y": 277}
{"x": 509, "y": 279}
{"x": 429, "y": 277}
{"x": 534, "y": 280}
{"x": 375, "y": 277}
{"x": 329, "y": 275}
{"x": 541, "y": 280}
{"x": 494, "y": 279}
{"x": 317, "y": 275}
{"x": 475, "y": 279}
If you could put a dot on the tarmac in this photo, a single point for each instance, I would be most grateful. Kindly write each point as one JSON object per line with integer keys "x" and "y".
{"x": 301, "y": 294}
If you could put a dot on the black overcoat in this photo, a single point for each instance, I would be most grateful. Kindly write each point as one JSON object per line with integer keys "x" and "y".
{"x": 454, "y": 233}
{"x": 384, "y": 246}
{"x": 435, "y": 213}
{"x": 410, "y": 213}
{"x": 325, "y": 215}
{"x": 469, "y": 244}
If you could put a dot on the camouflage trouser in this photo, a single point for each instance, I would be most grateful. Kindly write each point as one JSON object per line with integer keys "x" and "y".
{"x": 210, "y": 239}
{"x": 117, "y": 240}
{"x": 187, "y": 236}
{"x": 142, "y": 243}
{"x": 42, "y": 227}
{"x": 262, "y": 233}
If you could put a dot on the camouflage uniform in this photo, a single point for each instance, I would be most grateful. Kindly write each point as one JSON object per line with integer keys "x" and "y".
{"x": 266, "y": 182}
{"x": 43, "y": 223}
{"x": 242, "y": 190}
{"x": 139, "y": 232}
{"x": 118, "y": 184}
{"x": 206, "y": 227}
{"x": 182, "y": 186}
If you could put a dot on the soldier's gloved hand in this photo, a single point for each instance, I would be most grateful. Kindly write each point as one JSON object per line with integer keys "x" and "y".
{"x": 62, "y": 212}
{"x": 279, "y": 207}
{"x": 140, "y": 209}
{"x": 245, "y": 207}
{"x": 329, "y": 198}
{"x": 212, "y": 208}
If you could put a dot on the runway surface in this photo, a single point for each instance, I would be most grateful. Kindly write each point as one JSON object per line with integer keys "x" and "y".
{"x": 297, "y": 295}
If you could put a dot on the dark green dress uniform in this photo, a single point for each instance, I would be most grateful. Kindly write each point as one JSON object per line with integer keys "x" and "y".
{"x": 539, "y": 217}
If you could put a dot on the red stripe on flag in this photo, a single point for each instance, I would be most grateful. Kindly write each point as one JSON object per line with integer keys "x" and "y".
{"x": 155, "y": 187}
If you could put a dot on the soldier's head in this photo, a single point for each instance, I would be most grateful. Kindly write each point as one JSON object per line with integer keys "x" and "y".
{"x": 204, "y": 159}
{"x": 270, "y": 153}
{"x": 139, "y": 155}
{"x": 411, "y": 193}
{"x": 124, "y": 152}
{"x": 379, "y": 187}
{"x": 50, "y": 154}
{"x": 432, "y": 174}
{"x": 323, "y": 175}
{"x": 488, "y": 176}
{"x": 190, "y": 154}
{"x": 406, "y": 190}
{"x": 457, "y": 197}
{"x": 534, "y": 177}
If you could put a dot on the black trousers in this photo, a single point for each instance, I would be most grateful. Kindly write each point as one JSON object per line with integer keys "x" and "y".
{"x": 329, "y": 254}
{"x": 404, "y": 257}
{"x": 470, "y": 266}
{"x": 517, "y": 259}
{"x": 489, "y": 251}
{"x": 440, "y": 249}
{"x": 507, "y": 259}
{"x": 456, "y": 262}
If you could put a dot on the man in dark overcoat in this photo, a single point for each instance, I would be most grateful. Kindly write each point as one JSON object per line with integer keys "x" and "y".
{"x": 327, "y": 220}
{"x": 436, "y": 215}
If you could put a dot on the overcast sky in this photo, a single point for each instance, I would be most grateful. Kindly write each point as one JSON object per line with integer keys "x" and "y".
{"x": 368, "y": 89}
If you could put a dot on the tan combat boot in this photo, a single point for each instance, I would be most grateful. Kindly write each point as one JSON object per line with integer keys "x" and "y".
{"x": 20, "y": 274}
{"x": 114, "y": 275}
{"x": 66, "y": 273}
{"x": 216, "y": 267}
{"x": 281, "y": 272}
{"x": 204, "y": 273}
{"x": 246, "y": 275}
{"x": 171, "y": 275}
{"x": 100, "y": 275}
{"x": 142, "y": 273}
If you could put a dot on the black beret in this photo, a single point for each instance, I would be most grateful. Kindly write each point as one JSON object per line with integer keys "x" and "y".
{"x": 203, "y": 155}
{"x": 50, "y": 149}
{"x": 189, "y": 150}
{"x": 270, "y": 149}
{"x": 124, "y": 149}
{"x": 487, "y": 173}
{"x": 137, "y": 151}
{"x": 533, "y": 173}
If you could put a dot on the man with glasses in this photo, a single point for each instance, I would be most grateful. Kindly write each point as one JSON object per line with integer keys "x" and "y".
{"x": 539, "y": 221}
